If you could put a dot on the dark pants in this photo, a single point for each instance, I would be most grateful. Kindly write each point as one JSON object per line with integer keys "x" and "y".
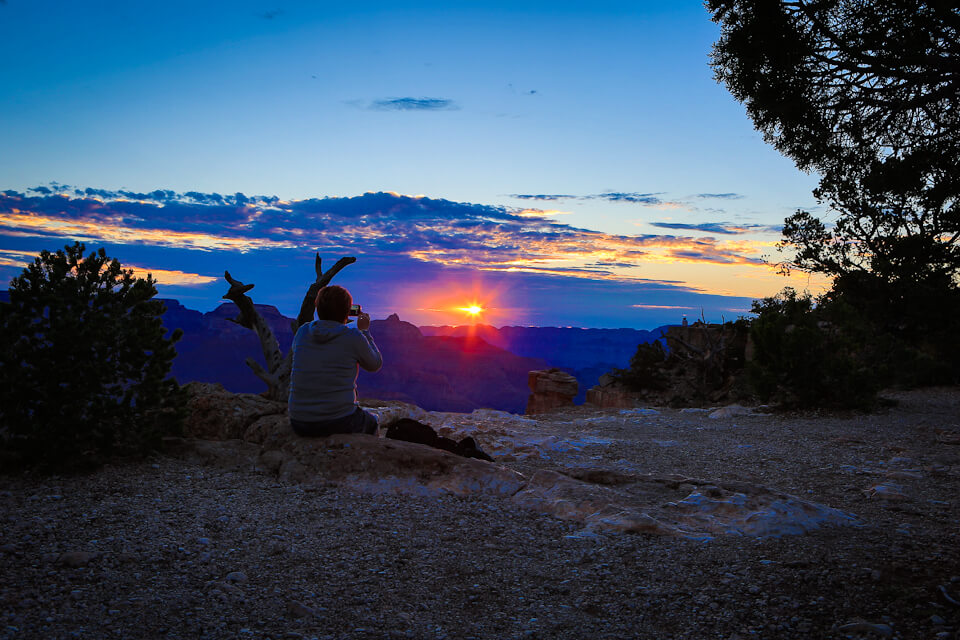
{"x": 357, "y": 422}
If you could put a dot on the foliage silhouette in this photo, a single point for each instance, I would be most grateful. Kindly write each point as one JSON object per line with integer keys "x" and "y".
{"x": 692, "y": 365}
{"x": 811, "y": 355}
{"x": 85, "y": 363}
{"x": 645, "y": 370}
{"x": 866, "y": 94}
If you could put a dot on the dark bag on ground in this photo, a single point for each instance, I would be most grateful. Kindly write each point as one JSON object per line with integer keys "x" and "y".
{"x": 413, "y": 431}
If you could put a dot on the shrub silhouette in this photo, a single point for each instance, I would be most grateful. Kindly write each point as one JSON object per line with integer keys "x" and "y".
{"x": 85, "y": 362}
{"x": 646, "y": 368}
{"x": 812, "y": 355}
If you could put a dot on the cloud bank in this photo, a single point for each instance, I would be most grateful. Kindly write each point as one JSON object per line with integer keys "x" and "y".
{"x": 426, "y": 229}
{"x": 414, "y": 252}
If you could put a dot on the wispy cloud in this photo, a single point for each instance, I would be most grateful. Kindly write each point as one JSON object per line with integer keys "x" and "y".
{"x": 13, "y": 258}
{"x": 659, "y": 306}
{"x": 540, "y": 213}
{"x": 651, "y": 199}
{"x": 718, "y": 227}
{"x": 414, "y": 104}
{"x": 542, "y": 196}
{"x": 631, "y": 197}
{"x": 720, "y": 196}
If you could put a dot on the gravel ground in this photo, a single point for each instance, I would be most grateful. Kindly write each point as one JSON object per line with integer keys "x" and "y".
{"x": 165, "y": 548}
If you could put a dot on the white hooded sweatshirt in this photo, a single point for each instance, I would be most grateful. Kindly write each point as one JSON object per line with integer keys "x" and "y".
{"x": 326, "y": 360}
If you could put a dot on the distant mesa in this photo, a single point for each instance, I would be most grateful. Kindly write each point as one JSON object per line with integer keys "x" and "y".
{"x": 448, "y": 373}
{"x": 438, "y": 368}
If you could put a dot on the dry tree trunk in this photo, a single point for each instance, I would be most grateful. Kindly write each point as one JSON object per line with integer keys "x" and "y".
{"x": 277, "y": 373}
{"x": 308, "y": 306}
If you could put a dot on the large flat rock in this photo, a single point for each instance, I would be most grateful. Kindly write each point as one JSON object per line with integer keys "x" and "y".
{"x": 599, "y": 499}
{"x": 248, "y": 432}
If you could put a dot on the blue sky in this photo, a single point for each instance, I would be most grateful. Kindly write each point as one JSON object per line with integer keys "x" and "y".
{"x": 558, "y": 163}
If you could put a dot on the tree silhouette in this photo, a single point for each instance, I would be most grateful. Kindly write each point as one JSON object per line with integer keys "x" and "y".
{"x": 867, "y": 94}
{"x": 85, "y": 362}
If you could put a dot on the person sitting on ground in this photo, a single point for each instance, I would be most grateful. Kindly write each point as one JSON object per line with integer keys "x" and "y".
{"x": 327, "y": 355}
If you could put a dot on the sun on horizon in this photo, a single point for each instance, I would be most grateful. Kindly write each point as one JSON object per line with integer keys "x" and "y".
{"x": 473, "y": 310}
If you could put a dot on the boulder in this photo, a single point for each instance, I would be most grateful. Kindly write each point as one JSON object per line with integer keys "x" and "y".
{"x": 217, "y": 414}
{"x": 380, "y": 465}
{"x": 390, "y": 412}
{"x": 550, "y": 389}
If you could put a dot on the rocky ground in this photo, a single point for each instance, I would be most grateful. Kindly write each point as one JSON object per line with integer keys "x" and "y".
{"x": 170, "y": 548}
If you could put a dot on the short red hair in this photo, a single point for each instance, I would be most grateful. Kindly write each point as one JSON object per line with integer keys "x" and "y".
{"x": 333, "y": 303}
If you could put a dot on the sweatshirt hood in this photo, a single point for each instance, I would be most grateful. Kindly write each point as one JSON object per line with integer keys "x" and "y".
{"x": 322, "y": 331}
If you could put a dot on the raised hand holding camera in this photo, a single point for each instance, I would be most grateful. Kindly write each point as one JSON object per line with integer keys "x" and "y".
{"x": 363, "y": 319}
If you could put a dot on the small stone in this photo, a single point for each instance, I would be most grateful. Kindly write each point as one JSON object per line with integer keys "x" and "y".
{"x": 886, "y": 491}
{"x": 876, "y": 575}
{"x": 76, "y": 559}
{"x": 882, "y": 630}
{"x": 730, "y": 411}
{"x": 236, "y": 576}
{"x": 937, "y": 620}
{"x": 300, "y": 610}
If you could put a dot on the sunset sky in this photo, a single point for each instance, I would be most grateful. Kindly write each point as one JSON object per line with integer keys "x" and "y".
{"x": 555, "y": 163}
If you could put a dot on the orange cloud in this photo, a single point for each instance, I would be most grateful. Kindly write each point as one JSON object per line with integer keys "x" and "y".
{"x": 542, "y": 213}
{"x": 171, "y": 276}
{"x": 657, "y": 306}
{"x": 12, "y": 258}
{"x": 113, "y": 229}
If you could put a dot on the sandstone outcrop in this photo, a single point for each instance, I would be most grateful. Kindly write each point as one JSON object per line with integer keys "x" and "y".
{"x": 609, "y": 394}
{"x": 550, "y": 389}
